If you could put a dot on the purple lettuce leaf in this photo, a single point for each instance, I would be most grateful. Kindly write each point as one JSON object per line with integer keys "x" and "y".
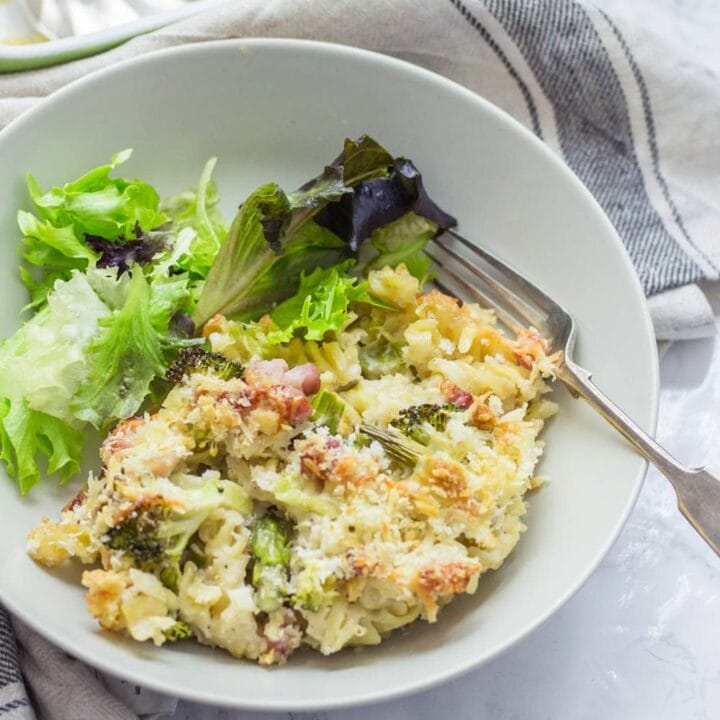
{"x": 379, "y": 201}
{"x": 122, "y": 253}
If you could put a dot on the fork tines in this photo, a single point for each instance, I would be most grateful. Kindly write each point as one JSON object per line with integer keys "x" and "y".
{"x": 479, "y": 275}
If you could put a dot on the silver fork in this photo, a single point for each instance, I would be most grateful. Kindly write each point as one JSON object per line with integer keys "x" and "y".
{"x": 518, "y": 303}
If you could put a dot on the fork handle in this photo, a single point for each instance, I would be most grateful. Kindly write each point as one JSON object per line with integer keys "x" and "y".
{"x": 697, "y": 490}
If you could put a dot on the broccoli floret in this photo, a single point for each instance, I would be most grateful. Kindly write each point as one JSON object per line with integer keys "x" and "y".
{"x": 137, "y": 533}
{"x": 271, "y": 549}
{"x": 195, "y": 358}
{"x": 328, "y": 410}
{"x": 179, "y": 631}
{"x": 271, "y": 540}
{"x": 157, "y": 530}
{"x": 379, "y": 360}
{"x": 411, "y": 420}
{"x": 403, "y": 449}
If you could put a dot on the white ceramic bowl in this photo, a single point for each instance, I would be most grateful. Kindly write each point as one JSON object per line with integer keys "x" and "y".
{"x": 279, "y": 109}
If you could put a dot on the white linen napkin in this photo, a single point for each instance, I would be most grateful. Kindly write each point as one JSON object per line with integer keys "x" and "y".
{"x": 62, "y": 18}
{"x": 624, "y": 92}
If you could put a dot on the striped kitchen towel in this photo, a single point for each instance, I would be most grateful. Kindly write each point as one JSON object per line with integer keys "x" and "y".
{"x": 626, "y": 93}
{"x": 14, "y": 704}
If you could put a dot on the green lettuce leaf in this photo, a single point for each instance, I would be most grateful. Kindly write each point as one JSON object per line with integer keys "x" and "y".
{"x": 124, "y": 358}
{"x": 97, "y": 204}
{"x": 403, "y": 241}
{"x": 41, "y": 367}
{"x": 46, "y": 244}
{"x": 197, "y": 211}
{"x": 321, "y": 304}
{"x": 363, "y": 159}
{"x": 111, "y": 289}
{"x": 40, "y": 289}
{"x": 167, "y": 298}
{"x": 27, "y": 433}
{"x": 44, "y": 361}
{"x": 54, "y": 253}
{"x": 111, "y": 211}
{"x": 310, "y": 247}
{"x": 245, "y": 255}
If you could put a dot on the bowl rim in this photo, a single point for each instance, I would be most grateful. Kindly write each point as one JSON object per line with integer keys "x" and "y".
{"x": 649, "y": 422}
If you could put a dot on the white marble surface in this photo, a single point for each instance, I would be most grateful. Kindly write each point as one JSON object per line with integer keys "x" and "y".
{"x": 640, "y": 640}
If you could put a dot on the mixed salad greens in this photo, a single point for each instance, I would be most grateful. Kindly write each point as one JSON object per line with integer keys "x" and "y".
{"x": 121, "y": 281}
